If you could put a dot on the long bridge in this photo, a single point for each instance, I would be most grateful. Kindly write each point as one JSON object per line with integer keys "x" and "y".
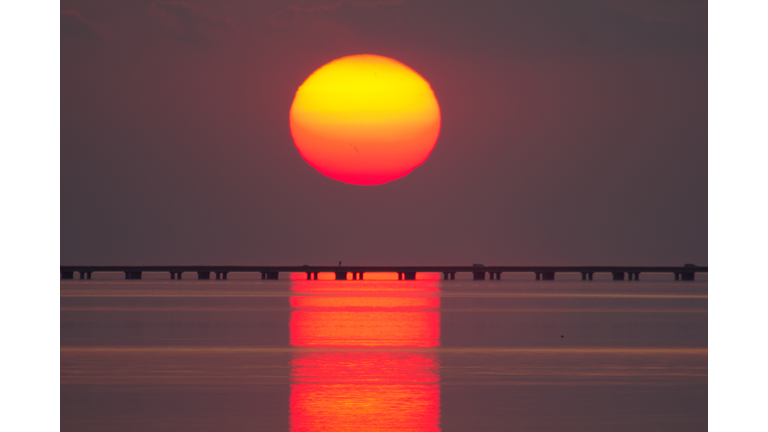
{"x": 478, "y": 271}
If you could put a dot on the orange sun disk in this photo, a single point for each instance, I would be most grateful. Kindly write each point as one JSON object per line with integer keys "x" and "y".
{"x": 365, "y": 120}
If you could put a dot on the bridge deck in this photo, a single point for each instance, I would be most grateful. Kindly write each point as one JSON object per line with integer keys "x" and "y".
{"x": 407, "y": 272}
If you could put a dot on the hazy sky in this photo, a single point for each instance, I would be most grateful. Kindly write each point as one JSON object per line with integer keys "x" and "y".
{"x": 573, "y": 132}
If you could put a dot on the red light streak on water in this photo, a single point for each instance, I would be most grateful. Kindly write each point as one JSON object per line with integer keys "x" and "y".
{"x": 366, "y": 378}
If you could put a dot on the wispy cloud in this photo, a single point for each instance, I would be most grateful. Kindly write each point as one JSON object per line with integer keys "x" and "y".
{"x": 692, "y": 15}
{"x": 190, "y": 23}
{"x": 291, "y": 11}
{"x": 73, "y": 24}
{"x": 334, "y": 24}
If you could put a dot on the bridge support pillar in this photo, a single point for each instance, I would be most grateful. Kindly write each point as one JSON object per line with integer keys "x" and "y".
{"x": 67, "y": 275}
{"x": 309, "y": 275}
{"x": 173, "y": 275}
{"x": 538, "y": 276}
{"x": 273, "y": 275}
{"x": 399, "y": 276}
{"x": 618, "y": 275}
{"x": 677, "y": 276}
{"x": 82, "y": 275}
{"x": 409, "y": 275}
{"x": 583, "y": 275}
{"x": 589, "y": 275}
{"x": 478, "y": 275}
{"x": 203, "y": 275}
{"x": 88, "y": 275}
{"x": 548, "y": 276}
{"x": 132, "y": 275}
{"x": 218, "y": 275}
{"x": 446, "y": 275}
{"x": 341, "y": 275}
{"x": 687, "y": 276}
{"x": 315, "y": 275}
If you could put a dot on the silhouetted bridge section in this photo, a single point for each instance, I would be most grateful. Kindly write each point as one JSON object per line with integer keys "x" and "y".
{"x": 479, "y": 272}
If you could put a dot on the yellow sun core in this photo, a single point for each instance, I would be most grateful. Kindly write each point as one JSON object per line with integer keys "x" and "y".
{"x": 365, "y": 120}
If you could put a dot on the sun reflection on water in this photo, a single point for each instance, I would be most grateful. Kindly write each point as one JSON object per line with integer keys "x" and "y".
{"x": 368, "y": 365}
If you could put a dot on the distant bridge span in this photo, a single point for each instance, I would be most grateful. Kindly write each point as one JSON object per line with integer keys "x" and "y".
{"x": 479, "y": 272}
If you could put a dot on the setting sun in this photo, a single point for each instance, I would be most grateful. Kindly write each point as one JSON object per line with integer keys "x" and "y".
{"x": 365, "y": 120}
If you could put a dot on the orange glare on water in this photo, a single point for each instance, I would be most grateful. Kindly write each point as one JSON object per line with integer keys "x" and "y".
{"x": 365, "y": 119}
{"x": 369, "y": 276}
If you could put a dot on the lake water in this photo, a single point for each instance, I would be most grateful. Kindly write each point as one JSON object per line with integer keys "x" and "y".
{"x": 383, "y": 355}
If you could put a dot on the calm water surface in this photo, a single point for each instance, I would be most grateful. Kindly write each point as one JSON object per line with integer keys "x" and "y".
{"x": 425, "y": 355}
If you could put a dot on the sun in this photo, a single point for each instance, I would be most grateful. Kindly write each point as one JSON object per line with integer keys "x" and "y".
{"x": 365, "y": 119}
